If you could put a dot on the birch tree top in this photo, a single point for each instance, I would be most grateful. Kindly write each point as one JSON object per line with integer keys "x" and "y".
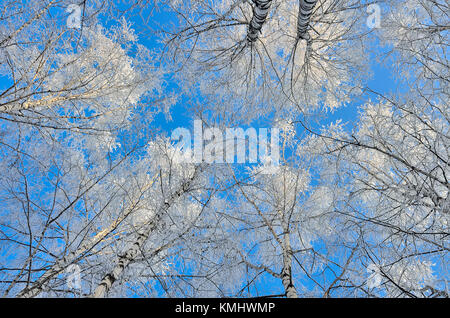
{"x": 97, "y": 199}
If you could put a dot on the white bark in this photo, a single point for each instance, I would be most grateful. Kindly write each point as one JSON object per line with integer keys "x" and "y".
{"x": 69, "y": 259}
{"x": 130, "y": 255}
{"x": 260, "y": 11}
{"x": 305, "y": 10}
{"x": 286, "y": 277}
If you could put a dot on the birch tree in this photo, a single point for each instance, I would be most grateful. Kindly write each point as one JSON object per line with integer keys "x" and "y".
{"x": 397, "y": 173}
{"x": 396, "y": 161}
{"x": 282, "y": 229}
{"x": 68, "y": 94}
{"x": 128, "y": 236}
{"x": 278, "y": 70}
{"x": 86, "y": 185}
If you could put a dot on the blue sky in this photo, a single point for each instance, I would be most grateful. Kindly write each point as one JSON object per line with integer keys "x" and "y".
{"x": 382, "y": 82}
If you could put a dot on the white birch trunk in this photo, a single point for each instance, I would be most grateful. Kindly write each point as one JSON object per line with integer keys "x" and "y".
{"x": 73, "y": 256}
{"x": 124, "y": 260}
{"x": 286, "y": 273}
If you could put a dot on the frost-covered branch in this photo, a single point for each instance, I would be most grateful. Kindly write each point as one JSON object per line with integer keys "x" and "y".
{"x": 131, "y": 253}
{"x": 305, "y": 11}
{"x": 260, "y": 12}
